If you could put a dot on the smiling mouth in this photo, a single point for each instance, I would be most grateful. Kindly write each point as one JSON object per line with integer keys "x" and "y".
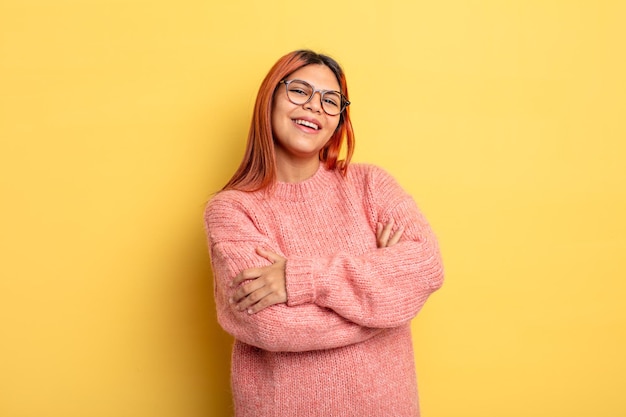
{"x": 306, "y": 123}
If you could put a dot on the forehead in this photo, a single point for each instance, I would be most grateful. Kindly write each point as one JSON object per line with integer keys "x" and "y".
{"x": 320, "y": 76}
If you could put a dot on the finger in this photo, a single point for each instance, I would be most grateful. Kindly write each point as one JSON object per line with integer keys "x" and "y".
{"x": 272, "y": 297}
{"x": 245, "y": 290}
{"x": 253, "y": 298}
{"x": 269, "y": 255}
{"x": 267, "y": 301}
{"x": 381, "y": 240}
{"x": 384, "y": 234}
{"x": 395, "y": 238}
{"x": 245, "y": 275}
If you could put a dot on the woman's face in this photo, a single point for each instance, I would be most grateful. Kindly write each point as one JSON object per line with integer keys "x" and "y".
{"x": 301, "y": 131}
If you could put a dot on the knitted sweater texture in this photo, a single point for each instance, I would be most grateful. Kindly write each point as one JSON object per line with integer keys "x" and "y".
{"x": 341, "y": 345}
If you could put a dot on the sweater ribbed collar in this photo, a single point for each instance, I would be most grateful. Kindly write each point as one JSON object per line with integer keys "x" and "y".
{"x": 313, "y": 187}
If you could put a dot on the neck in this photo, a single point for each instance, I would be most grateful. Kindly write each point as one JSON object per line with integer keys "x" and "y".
{"x": 296, "y": 171}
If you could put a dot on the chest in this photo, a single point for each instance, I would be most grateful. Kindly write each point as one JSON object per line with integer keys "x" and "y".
{"x": 340, "y": 222}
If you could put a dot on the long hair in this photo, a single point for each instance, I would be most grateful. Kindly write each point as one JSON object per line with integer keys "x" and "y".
{"x": 258, "y": 167}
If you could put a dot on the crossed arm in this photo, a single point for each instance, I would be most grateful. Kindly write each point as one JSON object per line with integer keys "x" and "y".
{"x": 325, "y": 302}
{"x": 265, "y": 286}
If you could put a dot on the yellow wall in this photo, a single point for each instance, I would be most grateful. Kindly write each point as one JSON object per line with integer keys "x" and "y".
{"x": 118, "y": 119}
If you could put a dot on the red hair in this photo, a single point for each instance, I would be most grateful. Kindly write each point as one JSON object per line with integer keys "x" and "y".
{"x": 258, "y": 167}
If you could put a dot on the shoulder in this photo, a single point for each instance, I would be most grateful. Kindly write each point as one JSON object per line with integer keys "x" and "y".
{"x": 228, "y": 197}
{"x": 232, "y": 216}
{"x": 234, "y": 197}
{"x": 371, "y": 176}
{"x": 379, "y": 187}
{"x": 228, "y": 203}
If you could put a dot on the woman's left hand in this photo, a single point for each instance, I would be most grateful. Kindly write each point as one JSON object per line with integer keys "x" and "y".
{"x": 384, "y": 237}
{"x": 266, "y": 285}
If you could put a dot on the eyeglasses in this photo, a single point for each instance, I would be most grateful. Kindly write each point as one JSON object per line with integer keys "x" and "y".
{"x": 300, "y": 92}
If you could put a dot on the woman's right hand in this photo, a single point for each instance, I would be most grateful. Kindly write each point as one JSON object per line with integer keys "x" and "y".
{"x": 259, "y": 288}
{"x": 384, "y": 237}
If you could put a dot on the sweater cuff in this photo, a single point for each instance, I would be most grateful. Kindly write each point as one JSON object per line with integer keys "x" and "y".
{"x": 299, "y": 281}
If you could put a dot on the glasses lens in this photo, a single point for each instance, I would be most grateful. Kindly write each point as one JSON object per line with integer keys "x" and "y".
{"x": 331, "y": 102}
{"x": 299, "y": 92}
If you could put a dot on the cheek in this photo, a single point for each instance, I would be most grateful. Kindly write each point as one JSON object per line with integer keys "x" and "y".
{"x": 275, "y": 118}
{"x": 280, "y": 110}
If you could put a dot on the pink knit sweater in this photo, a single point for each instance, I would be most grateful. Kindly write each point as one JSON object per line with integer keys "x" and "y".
{"x": 341, "y": 345}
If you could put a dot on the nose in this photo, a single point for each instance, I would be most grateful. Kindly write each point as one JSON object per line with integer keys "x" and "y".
{"x": 315, "y": 103}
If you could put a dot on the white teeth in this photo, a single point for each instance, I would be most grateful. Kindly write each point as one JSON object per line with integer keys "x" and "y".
{"x": 307, "y": 124}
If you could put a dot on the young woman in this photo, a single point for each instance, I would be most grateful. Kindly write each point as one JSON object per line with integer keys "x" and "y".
{"x": 319, "y": 265}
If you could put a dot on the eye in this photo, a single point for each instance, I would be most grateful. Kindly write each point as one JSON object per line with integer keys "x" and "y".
{"x": 332, "y": 99}
{"x": 297, "y": 90}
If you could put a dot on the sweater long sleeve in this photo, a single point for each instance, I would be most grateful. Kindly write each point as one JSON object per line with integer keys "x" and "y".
{"x": 342, "y": 291}
{"x": 380, "y": 288}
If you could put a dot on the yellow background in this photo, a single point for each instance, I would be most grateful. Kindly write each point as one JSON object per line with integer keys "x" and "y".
{"x": 119, "y": 118}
